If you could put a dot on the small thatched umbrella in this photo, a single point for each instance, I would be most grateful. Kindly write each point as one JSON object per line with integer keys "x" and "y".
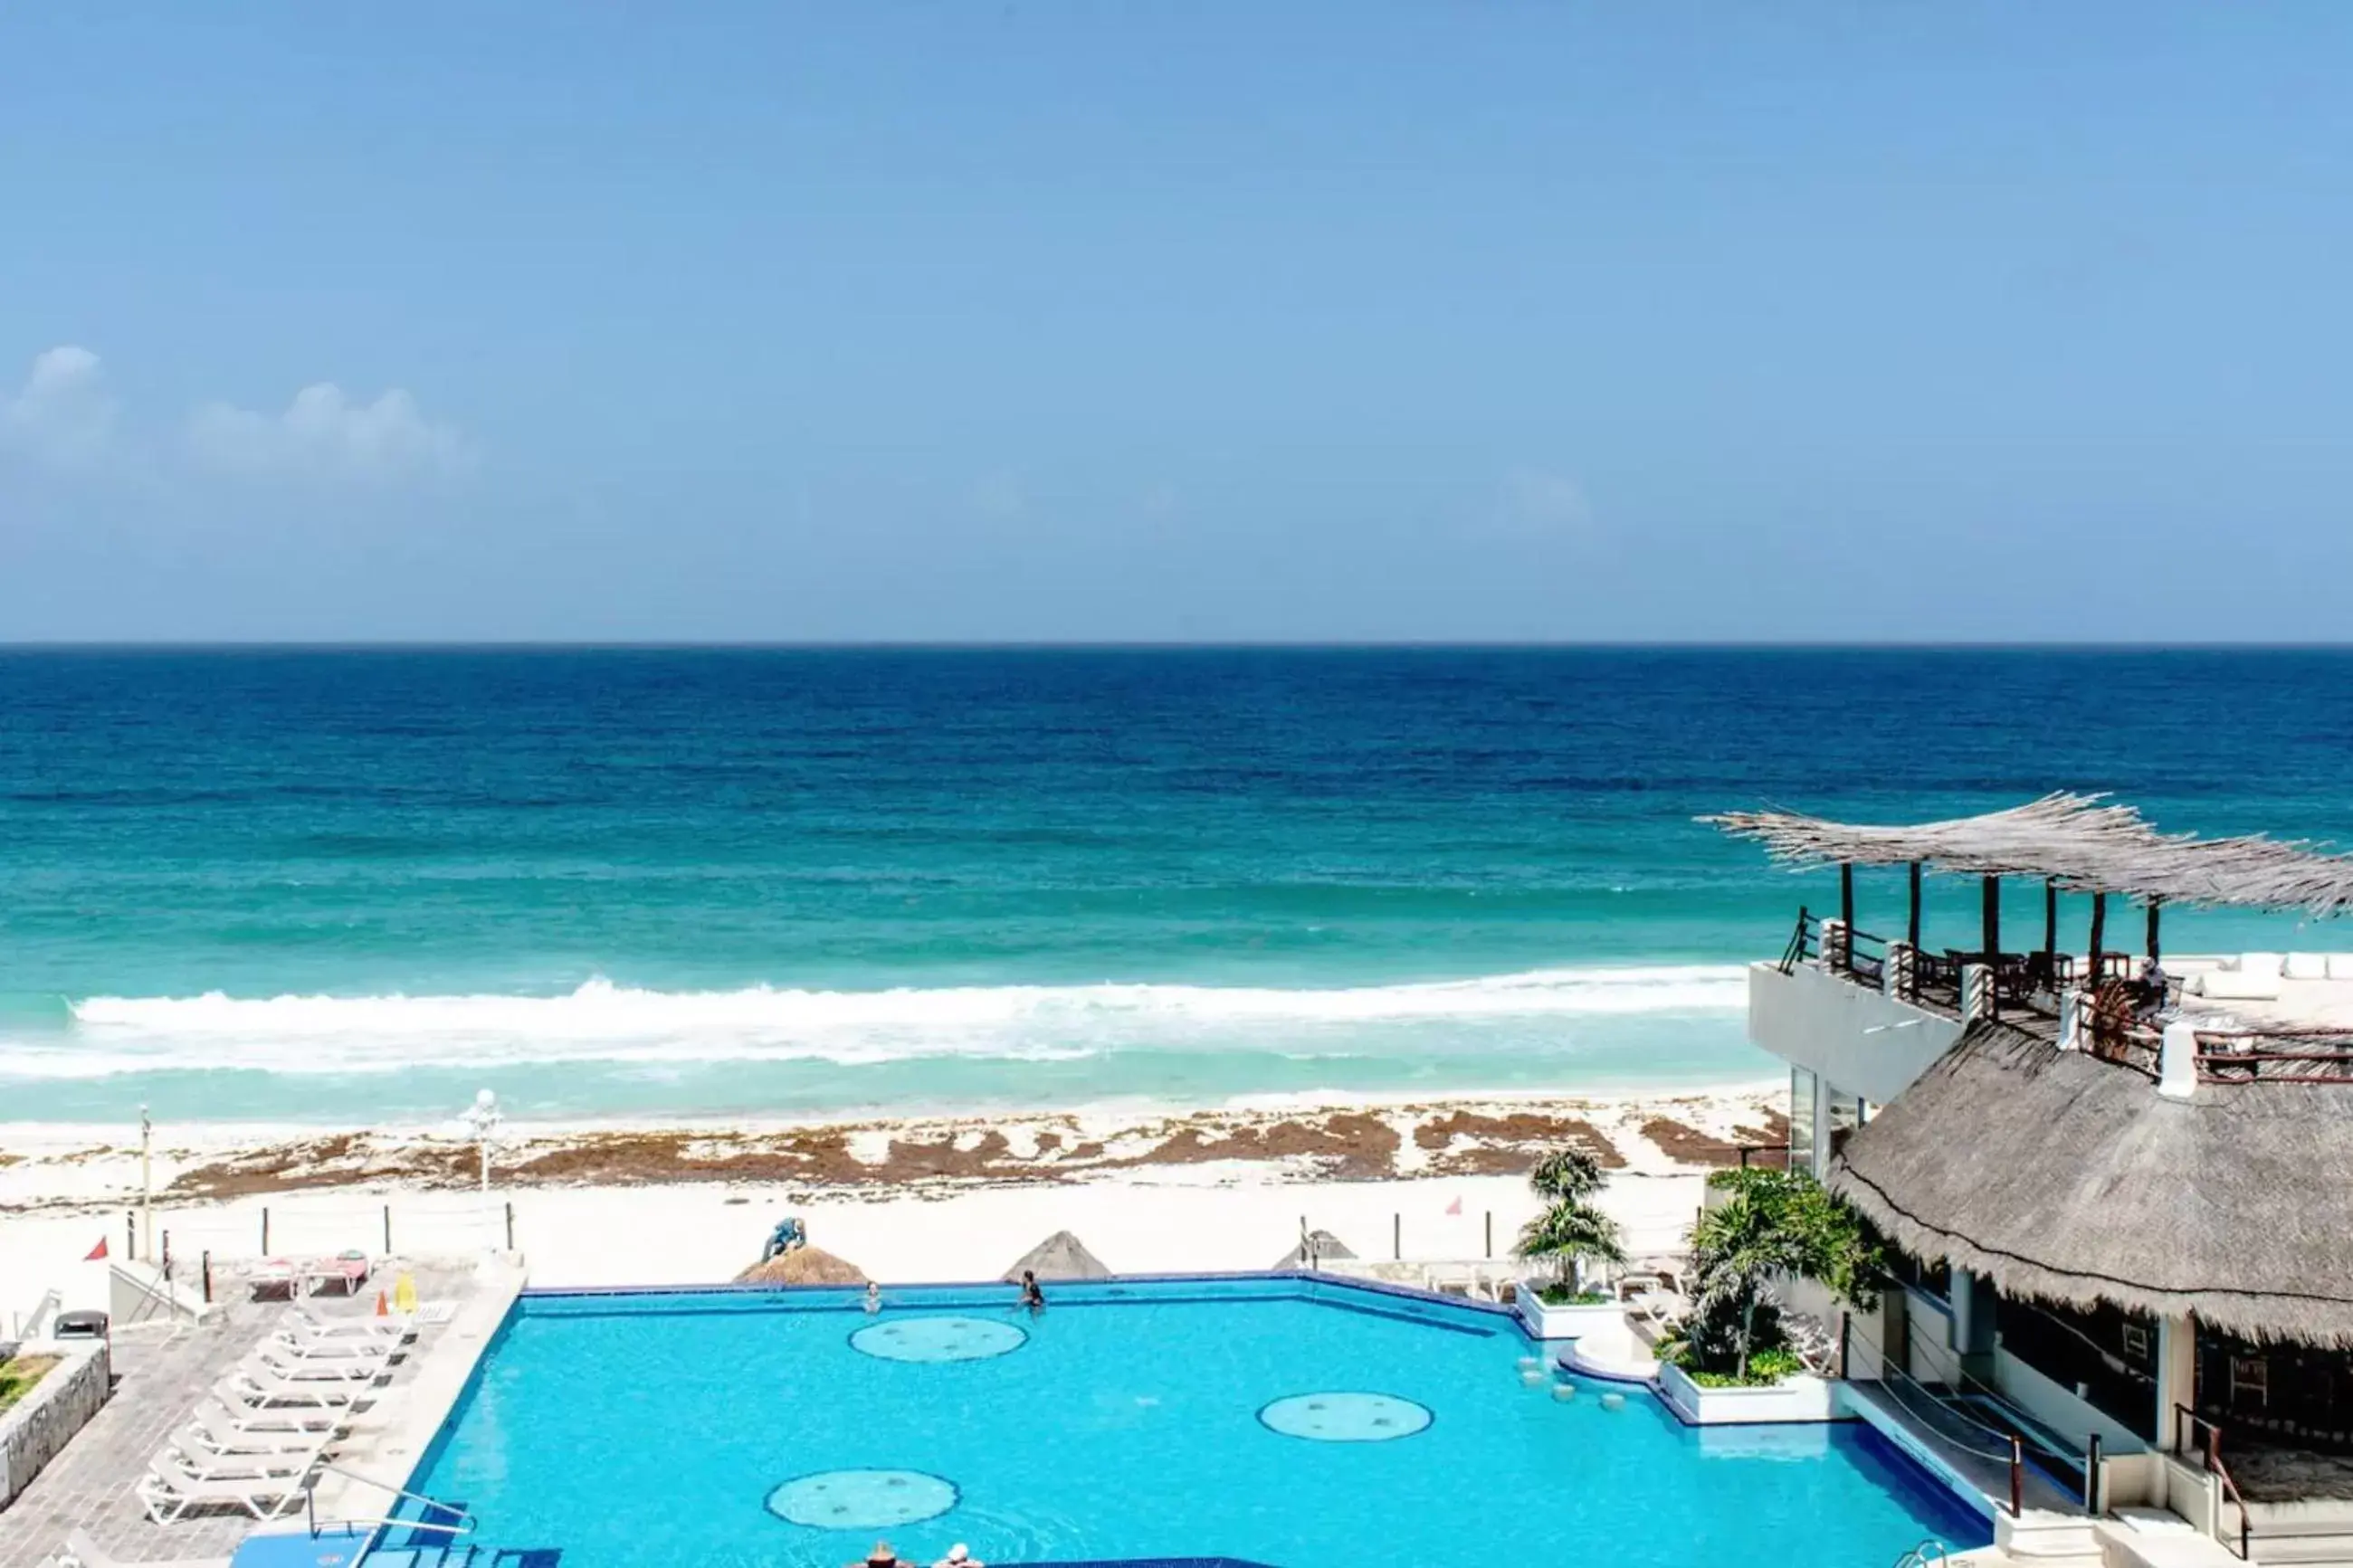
{"x": 1322, "y": 1244}
{"x": 1060, "y": 1256}
{"x": 803, "y": 1266}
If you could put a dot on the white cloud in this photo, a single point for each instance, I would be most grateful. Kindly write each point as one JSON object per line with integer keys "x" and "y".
{"x": 1535, "y": 503}
{"x": 325, "y": 436}
{"x": 62, "y": 414}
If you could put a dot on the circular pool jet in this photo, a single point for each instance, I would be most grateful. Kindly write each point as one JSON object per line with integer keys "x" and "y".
{"x": 939, "y": 1339}
{"x": 862, "y": 1500}
{"x": 1345, "y": 1417}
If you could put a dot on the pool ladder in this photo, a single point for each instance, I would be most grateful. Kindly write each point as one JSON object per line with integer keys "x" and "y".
{"x": 1927, "y": 1554}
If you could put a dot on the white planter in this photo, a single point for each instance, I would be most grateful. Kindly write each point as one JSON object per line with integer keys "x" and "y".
{"x": 1564, "y": 1323}
{"x": 1803, "y": 1397}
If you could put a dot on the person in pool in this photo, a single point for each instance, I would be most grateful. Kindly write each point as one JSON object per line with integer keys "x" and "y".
{"x": 959, "y": 1556}
{"x": 873, "y": 1298}
{"x": 882, "y": 1557}
{"x": 1033, "y": 1296}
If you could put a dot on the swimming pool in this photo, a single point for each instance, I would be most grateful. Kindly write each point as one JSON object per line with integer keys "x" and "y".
{"x": 1280, "y": 1421}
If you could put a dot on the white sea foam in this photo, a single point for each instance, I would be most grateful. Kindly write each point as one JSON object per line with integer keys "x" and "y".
{"x": 603, "y": 1021}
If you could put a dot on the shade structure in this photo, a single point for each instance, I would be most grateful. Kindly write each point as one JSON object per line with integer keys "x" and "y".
{"x": 1060, "y": 1256}
{"x": 803, "y": 1266}
{"x": 1325, "y": 1246}
{"x": 2065, "y": 1178}
{"x": 2086, "y": 843}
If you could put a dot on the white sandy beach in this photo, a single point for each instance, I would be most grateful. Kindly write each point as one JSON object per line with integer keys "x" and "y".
{"x": 907, "y": 1201}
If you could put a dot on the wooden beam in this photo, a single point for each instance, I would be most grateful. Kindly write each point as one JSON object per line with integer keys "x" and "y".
{"x": 2154, "y": 906}
{"x": 2051, "y": 927}
{"x": 2099, "y": 932}
{"x": 1993, "y": 946}
{"x": 1846, "y": 894}
{"x": 1912, "y": 927}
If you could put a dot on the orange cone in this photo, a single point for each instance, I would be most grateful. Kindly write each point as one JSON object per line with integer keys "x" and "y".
{"x": 382, "y": 1306}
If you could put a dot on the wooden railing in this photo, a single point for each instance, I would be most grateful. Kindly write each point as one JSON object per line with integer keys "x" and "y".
{"x": 2186, "y": 1423}
{"x": 1804, "y": 944}
{"x": 2276, "y": 1056}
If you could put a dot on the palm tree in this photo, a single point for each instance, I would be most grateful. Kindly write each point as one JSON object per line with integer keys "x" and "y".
{"x": 1570, "y": 1231}
{"x": 1740, "y": 1246}
{"x": 1773, "y": 1223}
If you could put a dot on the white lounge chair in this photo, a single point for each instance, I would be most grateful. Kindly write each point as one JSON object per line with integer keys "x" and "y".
{"x": 208, "y": 1434}
{"x": 219, "y": 1414}
{"x": 301, "y": 1346}
{"x": 259, "y": 1388}
{"x": 303, "y": 1321}
{"x": 169, "y": 1490}
{"x": 277, "y": 1359}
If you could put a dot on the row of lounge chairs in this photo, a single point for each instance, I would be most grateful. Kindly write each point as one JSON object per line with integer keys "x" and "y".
{"x": 258, "y": 1440}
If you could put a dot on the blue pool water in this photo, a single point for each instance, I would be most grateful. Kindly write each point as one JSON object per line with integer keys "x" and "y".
{"x": 1285, "y": 1423}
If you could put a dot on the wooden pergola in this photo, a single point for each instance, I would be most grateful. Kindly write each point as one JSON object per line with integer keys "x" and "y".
{"x": 2081, "y": 843}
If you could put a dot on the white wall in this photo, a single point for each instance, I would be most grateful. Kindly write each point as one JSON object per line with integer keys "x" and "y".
{"x": 1817, "y": 1021}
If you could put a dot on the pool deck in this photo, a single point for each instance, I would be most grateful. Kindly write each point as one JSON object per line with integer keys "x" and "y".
{"x": 163, "y": 1372}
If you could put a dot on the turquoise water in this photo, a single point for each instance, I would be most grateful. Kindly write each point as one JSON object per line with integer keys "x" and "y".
{"x": 1167, "y": 1419}
{"x": 267, "y": 884}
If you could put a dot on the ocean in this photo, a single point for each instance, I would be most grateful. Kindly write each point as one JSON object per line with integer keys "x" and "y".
{"x": 342, "y": 885}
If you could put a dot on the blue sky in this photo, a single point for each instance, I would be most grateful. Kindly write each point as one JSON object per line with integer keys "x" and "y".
{"x": 1183, "y": 320}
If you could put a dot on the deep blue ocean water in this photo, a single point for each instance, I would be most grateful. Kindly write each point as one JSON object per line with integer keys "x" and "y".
{"x": 288, "y": 884}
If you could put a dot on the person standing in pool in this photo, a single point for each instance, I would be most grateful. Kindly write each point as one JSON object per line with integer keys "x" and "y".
{"x": 1033, "y": 1296}
{"x": 873, "y": 1298}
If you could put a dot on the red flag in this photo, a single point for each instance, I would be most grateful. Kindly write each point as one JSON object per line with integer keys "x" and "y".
{"x": 97, "y": 1252}
{"x": 1454, "y": 1207}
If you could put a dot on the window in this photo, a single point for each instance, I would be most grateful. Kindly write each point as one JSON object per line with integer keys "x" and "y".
{"x": 1846, "y": 1115}
{"x": 2102, "y": 1356}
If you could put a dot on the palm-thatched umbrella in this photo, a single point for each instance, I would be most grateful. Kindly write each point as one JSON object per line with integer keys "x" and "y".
{"x": 803, "y": 1266}
{"x": 1321, "y": 1243}
{"x": 1060, "y": 1256}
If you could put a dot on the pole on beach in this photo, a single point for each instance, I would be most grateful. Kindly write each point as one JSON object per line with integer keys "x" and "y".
{"x": 2154, "y": 905}
{"x": 1397, "y": 1237}
{"x": 1846, "y": 894}
{"x": 208, "y": 1274}
{"x": 387, "y": 1230}
{"x": 1993, "y": 914}
{"x": 147, "y": 1186}
{"x": 129, "y": 1233}
{"x": 511, "y": 1225}
{"x": 1491, "y": 1233}
{"x": 264, "y": 1230}
{"x": 2099, "y": 932}
{"x": 1912, "y": 925}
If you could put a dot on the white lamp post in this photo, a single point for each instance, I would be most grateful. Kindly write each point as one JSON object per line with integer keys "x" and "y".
{"x": 482, "y": 1119}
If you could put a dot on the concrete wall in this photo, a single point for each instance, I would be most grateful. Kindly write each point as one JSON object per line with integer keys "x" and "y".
{"x": 38, "y": 1425}
{"x": 1817, "y": 1021}
{"x": 2059, "y": 1408}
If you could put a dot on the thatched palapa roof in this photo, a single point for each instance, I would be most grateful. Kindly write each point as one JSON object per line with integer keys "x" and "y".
{"x": 803, "y": 1266}
{"x": 1327, "y": 1247}
{"x": 1060, "y": 1256}
{"x": 2083, "y": 842}
{"x": 2063, "y": 1177}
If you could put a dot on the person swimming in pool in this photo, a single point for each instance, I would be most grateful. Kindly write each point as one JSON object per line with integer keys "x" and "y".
{"x": 873, "y": 1298}
{"x": 1033, "y": 1296}
{"x": 882, "y": 1557}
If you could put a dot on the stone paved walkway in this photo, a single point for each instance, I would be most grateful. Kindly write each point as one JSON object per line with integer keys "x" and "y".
{"x": 159, "y": 1376}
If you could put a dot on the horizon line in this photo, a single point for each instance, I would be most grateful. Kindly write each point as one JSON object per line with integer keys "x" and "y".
{"x": 1146, "y": 645}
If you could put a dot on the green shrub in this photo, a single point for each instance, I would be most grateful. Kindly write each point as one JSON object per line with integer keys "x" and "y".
{"x": 1561, "y": 1295}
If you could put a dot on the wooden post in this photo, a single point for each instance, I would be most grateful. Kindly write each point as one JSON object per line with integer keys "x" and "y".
{"x": 2099, "y": 933}
{"x": 2017, "y": 1477}
{"x": 129, "y": 1233}
{"x": 1846, "y": 894}
{"x": 2092, "y": 1477}
{"x": 387, "y": 1230}
{"x": 1912, "y": 926}
{"x": 2154, "y": 905}
{"x": 2050, "y": 930}
{"x": 1397, "y": 1237}
{"x": 264, "y": 1230}
{"x": 1491, "y": 1233}
{"x": 1991, "y": 910}
{"x": 208, "y": 1274}
{"x": 511, "y": 1225}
